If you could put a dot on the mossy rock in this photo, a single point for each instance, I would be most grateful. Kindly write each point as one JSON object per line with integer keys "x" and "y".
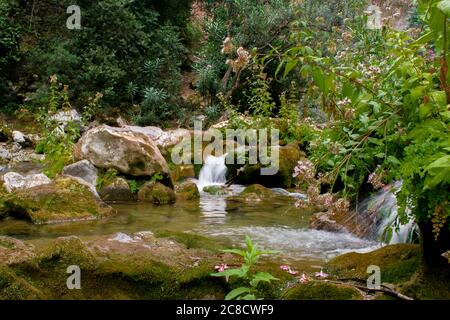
{"x": 65, "y": 199}
{"x": 187, "y": 191}
{"x": 13, "y": 251}
{"x": 321, "y": 290}
{"x": 288, "y": 158}
{"x": 257, "y": 193}
{"x": 5, "y": 134}
{"x": 151, "y": 269}
{"x": 190, "y": 240}
{"x": 397, "y": 263}
{"x": 156, "y": 193}
{"x": 116, "y": 190}
{"x": 216, "y": 190}
{"x": 182, "y": 172}
{"x": 13, "y": 287}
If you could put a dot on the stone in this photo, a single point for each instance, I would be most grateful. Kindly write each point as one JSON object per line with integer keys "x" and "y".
{"x": 21, "y": 139}
{"x": 15, "y": 181}
{"x": 215, "y": 190}
{"x": 187, "y": 191}
{"x": 163, "y": 139}
{"x": 64, "y": 199}
{"x": 117, "y": 190}
{"x": 156, "y": 193}
{"x": 321, "y": 221}
{"x": 82, "y": 169}
{"x": 131, "y": 153}
{"x": 182, "y": 172}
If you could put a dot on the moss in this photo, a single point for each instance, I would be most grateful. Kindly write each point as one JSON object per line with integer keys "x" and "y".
{"x": 62, "y": 200}
{"x": 215, "y": 190}
{"x": 190, "y": 240}
{"x": 321, "y": 290}
{"x": 5, "y": 134}
{"x": 156, "y": 193}
{"x": 397, "y": 263}
{"x": 187, "y": 191}
{"x": 288, "y": 157}
{"x": 13, "y": 287}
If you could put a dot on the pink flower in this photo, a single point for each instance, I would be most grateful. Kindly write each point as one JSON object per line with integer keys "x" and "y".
{"x": 304, "y": 278}
{"x": 285, "y": 268}
{"x": 321, "y": 274}
{"x": 293, "y": 272}
{"x": 221, "y": 267}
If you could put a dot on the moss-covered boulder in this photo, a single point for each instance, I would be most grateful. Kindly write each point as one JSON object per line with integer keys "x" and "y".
{"x": 117, "y": 189}
{"x": 322, "y": 290}
{"x": 156, "y": 193}
{"x": 187, "y": 191}
{"x": 216, "y": 190}
{"x": 64, "y": 199}
{"x": 112, "y": 268}
{"x": 289, "y": 155}
{"x": 397, "y": 262}
{"x": 13, "y": 251}
{"x": 257, "y": 193}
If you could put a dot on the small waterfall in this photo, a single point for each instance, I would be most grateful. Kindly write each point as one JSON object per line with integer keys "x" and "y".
{"x": 377, "y": 218}
{"x": 213, "y": 172}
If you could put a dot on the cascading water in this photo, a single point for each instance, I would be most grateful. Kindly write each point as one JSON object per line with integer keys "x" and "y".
{"x": 213, "y": 172}
{"x": 376, "y": 218}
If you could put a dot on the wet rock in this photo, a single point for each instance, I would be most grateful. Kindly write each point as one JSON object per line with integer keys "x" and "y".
{"x": 255, "y": 193}
{"x": 117, "y": 190}
{"x": 156, "y": 193}
{"x": 289, "y": 156}
{"x": 15, "y": 181}
{"x": 187, "y": 191}
{"x": 82, "y": 169}
{"x": 322, "y": 221}
{"x": 64, "y": 199}
{"x": 129, "y": 152}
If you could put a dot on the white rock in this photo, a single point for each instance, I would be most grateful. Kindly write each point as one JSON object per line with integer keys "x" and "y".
{"x": 14, "y": 181}
{"x": 18, "y": 137}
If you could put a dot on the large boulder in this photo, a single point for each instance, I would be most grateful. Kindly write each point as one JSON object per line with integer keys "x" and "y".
{"x": 289, "y": 155}
{"x": 163, "y": 139}
{"x": 130, "y": 152}
{"x": 156, "y": 193}
{"x": 82, "y": 169}
{"x": 117, "y": 190}
{"x": 15, "y": 181}
{"x": 64, "y": 199}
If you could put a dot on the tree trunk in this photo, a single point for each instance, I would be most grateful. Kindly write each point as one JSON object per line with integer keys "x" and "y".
{"x": 432, "y": 248}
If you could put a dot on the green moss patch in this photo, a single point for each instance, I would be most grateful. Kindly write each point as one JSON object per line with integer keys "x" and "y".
{"x": 397, "y": 263}
{"x": 321, "y": 290}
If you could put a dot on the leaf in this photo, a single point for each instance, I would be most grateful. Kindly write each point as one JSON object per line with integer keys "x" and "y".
{"x": 262, "y": 277}
{"x": 230, "y": 273}
{"x": 444, "y": 6}
{"x": 443, "y": 162}
{"x": 233, "y": 294}
{"x": 289, "y": 66}
{"x": 235, "y": 251}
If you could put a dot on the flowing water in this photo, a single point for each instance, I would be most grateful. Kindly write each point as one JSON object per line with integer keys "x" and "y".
{"x": 277, "y": 226}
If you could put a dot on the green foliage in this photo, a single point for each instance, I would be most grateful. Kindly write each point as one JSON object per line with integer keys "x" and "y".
{"x": 388, "y": 117}
{"x": 59, "y": 137}
{"x": 251, "y": 256}
{"x": 106, "y": 177}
